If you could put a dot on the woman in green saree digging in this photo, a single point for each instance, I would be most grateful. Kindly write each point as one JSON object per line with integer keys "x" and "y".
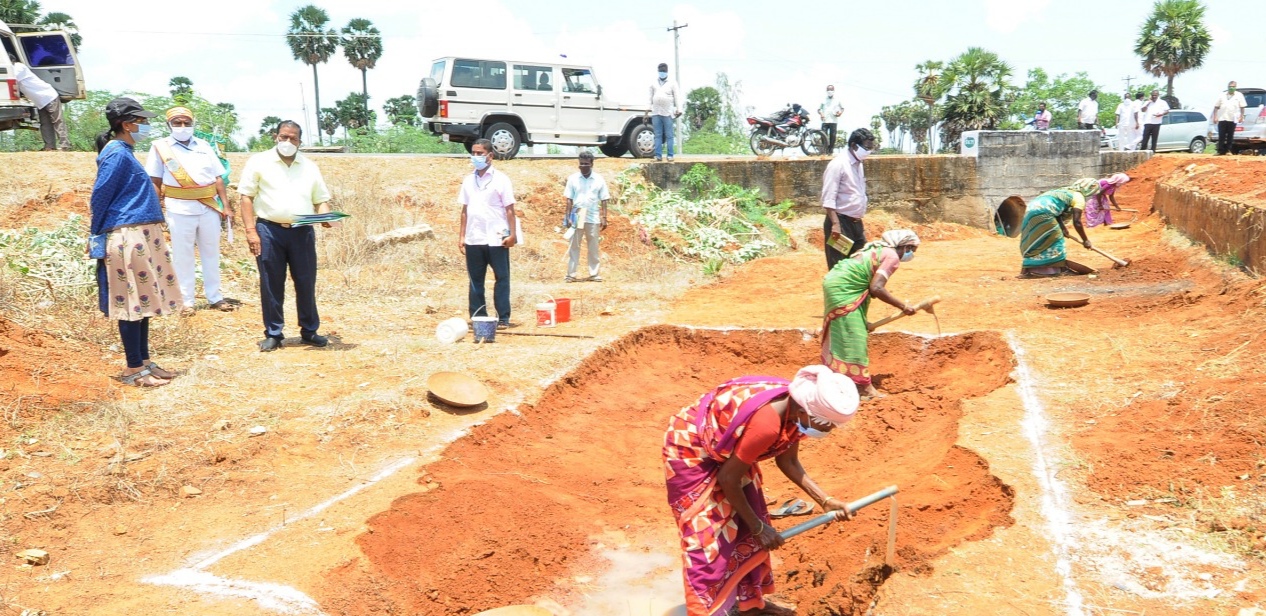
{"x": 848, "y": 288}
{"x": 1045, "y": 226}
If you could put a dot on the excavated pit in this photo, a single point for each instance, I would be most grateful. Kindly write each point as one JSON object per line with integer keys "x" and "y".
{"x": 516, "y": 511}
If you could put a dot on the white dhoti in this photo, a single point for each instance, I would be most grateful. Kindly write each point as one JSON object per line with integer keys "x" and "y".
{"x": 202, "y": 230}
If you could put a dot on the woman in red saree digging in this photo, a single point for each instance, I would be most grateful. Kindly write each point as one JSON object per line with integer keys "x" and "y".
{"x": 714, "y": 484}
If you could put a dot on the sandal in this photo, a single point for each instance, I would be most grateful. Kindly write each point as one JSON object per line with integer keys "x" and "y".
{"x": 223, "y": 306}
{"x": 595, "y": 279}
{"x": 159, "y": 372}
{"x": 792, "y": 507}
{"x": 571, "y": 279}
{"x": 144, "y": 378}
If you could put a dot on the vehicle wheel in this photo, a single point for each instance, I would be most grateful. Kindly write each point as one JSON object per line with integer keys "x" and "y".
{"x": 505, "y": 140}
{"x": 760, "y": 147}
{"x": 428, "y": 99}
{"x": 470, "y": 146}
{"x": 1197, "y": 145}
{"x": 614, "y": 150}
{"x": 641, "y": 141}
{"x": 815, "y": 143}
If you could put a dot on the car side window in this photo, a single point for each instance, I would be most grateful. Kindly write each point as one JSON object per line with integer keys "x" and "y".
{"x": 531, "y": 77}
{"x": 1196, "y": 116}
{"x": 578, "y": 80}
{"x": 50, "y": 50}
{"x": 479, "y": 74}
{"x": 1255, "y": 99}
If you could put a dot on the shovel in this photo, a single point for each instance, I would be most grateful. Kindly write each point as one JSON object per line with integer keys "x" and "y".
{"x": 926, "y": 306}
{"x": 889, "y": 492}
{"x": 1121, "y": 262}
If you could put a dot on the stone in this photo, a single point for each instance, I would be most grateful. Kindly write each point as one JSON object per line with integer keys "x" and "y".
{"x": 120, "y": 530}
{"x": 258, "y": 430}
{"x": 220, "y": 425}
{"x": 403, "y": 234}
{"x": 34, "y": 556}
{"x": 189, "y": 491}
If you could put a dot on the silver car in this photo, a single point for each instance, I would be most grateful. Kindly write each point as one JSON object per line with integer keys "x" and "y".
{"x": 1183, "y": 130}
{"x": 1251, "y": 133}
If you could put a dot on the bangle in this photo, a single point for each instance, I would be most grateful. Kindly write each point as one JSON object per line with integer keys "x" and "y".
{"x": 761, "y": 529}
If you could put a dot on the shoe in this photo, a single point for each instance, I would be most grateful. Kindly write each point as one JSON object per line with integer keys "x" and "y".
{"x": 658, "y": 159}
{"x": 670, "y": 159}
{"x": 269, "y": 344}
{"x": 503, "y": 325}
{"x": 595, "y": 279}
{"x": 316, "y": 340}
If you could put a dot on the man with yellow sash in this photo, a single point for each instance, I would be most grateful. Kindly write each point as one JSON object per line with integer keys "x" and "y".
{"x": 187, "y": 172}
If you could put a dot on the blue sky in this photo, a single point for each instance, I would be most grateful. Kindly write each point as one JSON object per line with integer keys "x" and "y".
{"x": 779, "y": 52}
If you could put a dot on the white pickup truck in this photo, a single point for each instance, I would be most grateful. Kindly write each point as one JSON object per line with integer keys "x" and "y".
{"x": 51, "y": 56}
{"x": 514, "y": 103}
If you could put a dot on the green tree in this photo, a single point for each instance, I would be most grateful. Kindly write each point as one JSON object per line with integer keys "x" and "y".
{"x": 181, "y": 89}
{"x": 268, "y": 127}
{"x": 362, "y": 46}
{"x": 312, "y": 43}
{"x": 402, "y": 110}
{"x": 1173, "y": 40}
{"x": 62, "y": 21}
{"x": 703, "y": 108}
{"x": 25, "y": 12}
{"x": 327, "y": 120}
{"x": 353, "y": 112}
{"x": 721, "y": 129}
{"x": 977, "y": 93}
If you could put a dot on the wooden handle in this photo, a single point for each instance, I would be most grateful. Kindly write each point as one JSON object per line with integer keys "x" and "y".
{"x": 870, "y": 327}
{"x": 1110, "y": 257}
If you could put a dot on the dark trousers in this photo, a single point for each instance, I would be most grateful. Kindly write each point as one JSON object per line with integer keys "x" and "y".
{"x": 829, "y": 129}
{"x": 1151, "y": 131}
{"x": 1085, "y": 126}
{"x": 135, "y": 338}
{"x": 478, "y": 260}
{"x": 282, "y": 248}
{"x": 852, "y": 229}
{"x": 1226, "y": 130}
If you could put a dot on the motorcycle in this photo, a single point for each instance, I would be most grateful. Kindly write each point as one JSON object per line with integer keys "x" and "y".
{"x": 788, "y": 128}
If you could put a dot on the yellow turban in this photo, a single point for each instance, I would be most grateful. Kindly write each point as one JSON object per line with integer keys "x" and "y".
{"x": 179, "y": 111}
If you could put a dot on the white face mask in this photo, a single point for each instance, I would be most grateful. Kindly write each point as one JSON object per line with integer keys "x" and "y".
{"x": 830, "y": 93}
{"x": 287, "y": 149}
{"x": 861, "y": 153}
{"x": 182, "y": 133}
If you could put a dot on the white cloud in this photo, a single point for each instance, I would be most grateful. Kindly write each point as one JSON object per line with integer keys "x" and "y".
{"x": 1007, "y": 15}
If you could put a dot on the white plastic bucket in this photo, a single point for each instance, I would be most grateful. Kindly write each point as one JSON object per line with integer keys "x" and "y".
{"x": 451, "y": 330}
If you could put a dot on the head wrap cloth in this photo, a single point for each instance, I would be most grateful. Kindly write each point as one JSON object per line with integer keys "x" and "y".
{"x": 825, "y": 394}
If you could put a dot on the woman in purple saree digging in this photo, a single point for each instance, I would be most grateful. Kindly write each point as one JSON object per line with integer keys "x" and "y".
{"x": 711, "y": 452}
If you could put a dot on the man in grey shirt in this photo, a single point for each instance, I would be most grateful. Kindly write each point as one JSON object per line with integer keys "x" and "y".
{"x": 665, "y": 106}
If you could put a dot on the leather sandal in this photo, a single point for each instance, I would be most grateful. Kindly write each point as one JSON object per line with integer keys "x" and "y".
{"x": 223, "y": 306}
{"x": 144, "y": 378}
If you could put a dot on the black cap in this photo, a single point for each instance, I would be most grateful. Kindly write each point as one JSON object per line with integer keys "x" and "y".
{"x": 663, "y": 66}
{"x": 124, "y": 108}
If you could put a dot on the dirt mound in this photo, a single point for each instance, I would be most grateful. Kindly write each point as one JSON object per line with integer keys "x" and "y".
{"x": 49, "y": 211}
{"x": 39, "y": 373}
{"x": 1139, "y": 191}
{"x": 521, "y": 499}
{"x": 1238, "y": 179}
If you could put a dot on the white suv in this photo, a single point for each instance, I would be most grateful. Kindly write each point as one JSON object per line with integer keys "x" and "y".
{"x": 51, "y": 57}
{"x": 515, "y": 103}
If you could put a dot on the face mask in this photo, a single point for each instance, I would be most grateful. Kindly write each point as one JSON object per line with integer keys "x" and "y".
{"x": 810, "y": 431}
{"x": 1231, "y": 89}
{"x": 907, "y": 257}
{"x": 142, "y": 132}
{"x": 182, "y": 133}
{"x": 830, "y": 93}
{"x": 861, "y": 153}
{"x": 287, "y": 149}
{"x": 480, "y": 162}
{"x": 663, "y": 74}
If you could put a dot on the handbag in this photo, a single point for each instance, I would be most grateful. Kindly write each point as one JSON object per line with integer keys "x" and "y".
{"x": 97, "y": 246}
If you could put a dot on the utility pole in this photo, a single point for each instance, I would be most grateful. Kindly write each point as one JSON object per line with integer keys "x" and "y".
{"x": 304, "y": 103}
{"x": 676, "y": 30}
{"x": 1127, "y": 81}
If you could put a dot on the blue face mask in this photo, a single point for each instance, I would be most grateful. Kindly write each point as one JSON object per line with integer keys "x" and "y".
{"x": 142, "y": 132}
{"x": 810, "y": 431}
{"x": 480, "y": 162}
{"x": 907, "y": 257}
{"x": 663, "y": 74}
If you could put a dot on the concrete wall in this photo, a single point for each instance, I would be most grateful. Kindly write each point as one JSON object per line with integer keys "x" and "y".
{"x": 960, "y": 189}
{"x": 1226, "y": 227}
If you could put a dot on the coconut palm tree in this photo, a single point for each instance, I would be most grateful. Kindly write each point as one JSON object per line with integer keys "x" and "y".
{"x": 62, "y": 21}
{"x": 25, "y": 12}
{"x": 929, "y": 87}
{"x": 181, "y": 89}
{"x": 980, "y": 82}
{"x": 312, "y": 43}
{"x": 362, "y": 46}
{"x": 1173, "y": 40}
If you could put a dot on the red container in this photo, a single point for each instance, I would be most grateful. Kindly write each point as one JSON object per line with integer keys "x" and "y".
{"x": 562, "y": 312}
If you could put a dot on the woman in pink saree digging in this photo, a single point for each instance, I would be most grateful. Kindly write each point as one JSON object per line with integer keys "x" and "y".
{"x": 711, "y": 451}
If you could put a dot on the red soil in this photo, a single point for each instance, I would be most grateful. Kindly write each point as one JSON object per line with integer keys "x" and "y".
{"x": 520, "y": 498}
{"x": 38, "y": 374}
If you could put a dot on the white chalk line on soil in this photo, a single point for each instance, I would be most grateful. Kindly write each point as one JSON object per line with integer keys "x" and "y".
{"x": 1055, "y": 506}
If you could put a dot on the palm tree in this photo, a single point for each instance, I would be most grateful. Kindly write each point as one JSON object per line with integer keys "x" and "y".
{"x": 1173, "y": 40}
{"x": 929, "y": 87}
{"x": 25, "y": 12}
{"x": 981, "y": 91}
{"x": 181, "y": 89}
{"x": 362, "y": 46}
{"x": 62, "y": 21}
{"x": 312, "y": 43}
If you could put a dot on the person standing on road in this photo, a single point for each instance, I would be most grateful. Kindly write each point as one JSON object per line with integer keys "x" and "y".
{"x": 1152, "y": 113}
{"x": 829, "y": 112}
{"x": 135, "y": 280}
{"x": 587, "y": 195}
{"x": 276, "y": 186}
{"x": 844, "y": 197}
{"x": 186, "y": 172}
{"x": 1088, "y": 111}
{"x": 489, "y": 228}
{"x": 47, "y": 101}
{"x": 1042, "y": 121}
{"x": 1228, "y": 110}
{"x": 665, "y": 107}
{"x": 1127, "y": 124}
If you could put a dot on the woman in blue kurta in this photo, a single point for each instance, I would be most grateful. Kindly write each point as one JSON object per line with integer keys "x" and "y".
{"x": 135, "y": 279}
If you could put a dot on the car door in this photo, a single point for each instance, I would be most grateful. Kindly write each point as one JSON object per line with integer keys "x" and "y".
{"x": 476, "y": 88}
{"x": 1170, "y": 130}
{"x": 534, "y": 96}
{"x": 579, "y": 115}
{"x": 52, "y": 58}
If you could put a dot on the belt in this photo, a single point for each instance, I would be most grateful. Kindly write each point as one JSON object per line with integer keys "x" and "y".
{"x": 283, "y": 225}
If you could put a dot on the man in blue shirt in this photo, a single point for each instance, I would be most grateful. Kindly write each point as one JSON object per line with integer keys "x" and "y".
{"x": 587, "y": 197}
